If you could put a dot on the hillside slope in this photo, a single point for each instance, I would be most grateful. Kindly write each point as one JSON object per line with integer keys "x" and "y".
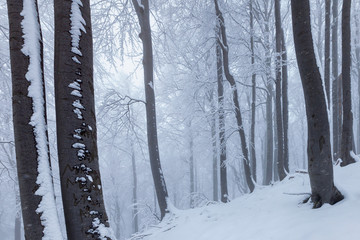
{"x": 270, "y": 213}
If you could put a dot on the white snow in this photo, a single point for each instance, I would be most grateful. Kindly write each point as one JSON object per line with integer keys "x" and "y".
{"x": 78, "y": 145}
{"x": 76, "y": 93}
{"x": 270, "y": 213}
{"x": 77, "y": 26}
{"x": 31, "y": 48}
{"x": 75, "y": 85}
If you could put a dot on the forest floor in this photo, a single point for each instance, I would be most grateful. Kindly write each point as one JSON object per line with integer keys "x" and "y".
{"x": 274, "y": 212}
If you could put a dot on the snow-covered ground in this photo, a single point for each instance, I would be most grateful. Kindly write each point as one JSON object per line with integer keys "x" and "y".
{"x": 275, "y": 212}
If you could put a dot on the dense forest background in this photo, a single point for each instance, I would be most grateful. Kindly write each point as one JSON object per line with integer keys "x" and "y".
{"x": 185, "y": 83}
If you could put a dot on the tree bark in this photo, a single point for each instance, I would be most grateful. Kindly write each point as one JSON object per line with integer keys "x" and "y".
{"x": 319, "y": 148}
{"x": 215, "y": 168}
{"x": 143, "y": 14}
{"x": 347, "y": 126}
{"x": 269, "y": 111}
{"x": 357, "y": 55}
{"x": 79, "y": 170}
{"x": 327, "y": 50}
{"x": 279, "y": 118}
{"x": 253, "y": 100}
{"x": 337, "y": 121}
{"x": 225, "y": 51}
{"x": 222, "y": 141}
{"x": 191, "y": 167}
{"x": 30, "y": 124}
{"x": 135, "y": 211}
{"x": 285, "y": 101}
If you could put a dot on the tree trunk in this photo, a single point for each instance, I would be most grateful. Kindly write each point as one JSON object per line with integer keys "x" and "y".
{"x": 225, "y": 51}
{"x": 319, "y": 147}
{"x": 335, "y": 83}
{"x": 222, "y": 141}
{"x": 191, "y": 167}
{"x": 135, "y": 211}
{"x": 285, "y": 101}
{"x": 347, "y": 126}
{"x": 253, "y": 93}
{"x": 269, "y": 111}
{"x": 85, "y": 215}
{"x": 143, "y": 13}
{"x": 214, "y": 148}
{"x": 327, "y": 50}
{"x": 30, "y": 124}
{"x": 279, "y": 118}
{"x": 18, "y": 218}
{"x": 357, "y": 55}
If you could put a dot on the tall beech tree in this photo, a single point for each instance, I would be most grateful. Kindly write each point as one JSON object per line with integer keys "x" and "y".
{"x": 81, "y": 188}
{"x": 336, "y": 86}
{"x": 222, "y": 140}
{"x": 327, "y": 59}
{"x": 143, "y": 13}
{"x": 285, "y": 100}
{"x": 279, "y": 118}
{"x": 225, "y": 52}
{"x": 253, "y": 96}
{"x": 347, "y": 126}
{"x": 319, "y": 148}
{"x": 30, "y": 125}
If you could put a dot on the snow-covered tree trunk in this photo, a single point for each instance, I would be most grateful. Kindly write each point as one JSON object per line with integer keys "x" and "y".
{"x": 143, "y": 13}
{"x": 319, "y": 147}
{"x": 82, "y": 195}
{"x": 30, "y": 125}
{"x": 135, "y": 211}
{"x": 327, "y": 59}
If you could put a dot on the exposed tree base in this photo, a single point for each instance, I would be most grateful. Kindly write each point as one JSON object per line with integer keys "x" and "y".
{"x": 317, "y": 200}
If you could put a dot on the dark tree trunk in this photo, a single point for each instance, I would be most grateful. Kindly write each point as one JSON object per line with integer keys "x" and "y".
{"x": 319, "y": 147}
{"x": 143, "y": 14}
{"x": 80, "y": 177}
{"x": 253, "y": 94}
{"x": 285, "y": 101}
{"x": 335, "y": 84}
{"x": 279, "y": 118}
{"x": 134, "y": 196}
{"x": 327, "y": 50}
{"x": 30, "y": 124}
{"x": 225, "y": 51}
{"x": 269, "y": 112}
{"x": 357, "y": 55}
{"x": 347, "y": 126}
{"x": 222, "y": 141}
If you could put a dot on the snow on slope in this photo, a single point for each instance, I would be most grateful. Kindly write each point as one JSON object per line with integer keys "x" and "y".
{"x": 270, "y": 213}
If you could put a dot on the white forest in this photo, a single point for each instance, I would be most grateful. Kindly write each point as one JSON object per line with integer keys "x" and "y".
{"x": 179, "y": 120}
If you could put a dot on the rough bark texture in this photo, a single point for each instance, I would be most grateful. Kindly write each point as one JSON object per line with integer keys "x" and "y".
{"x": 253, "y": 97}
{"x": 145, "y": 36}
{"x": 25, "y": 144}
{"x": 327, "y": 50}
{"x": 225, "y": 51}
{"x": 319, "y": 149}
{"x": 279, "y": 118}
{"x": 76, "y": 126}
{"x": 285, "y": 101}
{"x": 336, "y": 106}
{"x": 347, "y": 126}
